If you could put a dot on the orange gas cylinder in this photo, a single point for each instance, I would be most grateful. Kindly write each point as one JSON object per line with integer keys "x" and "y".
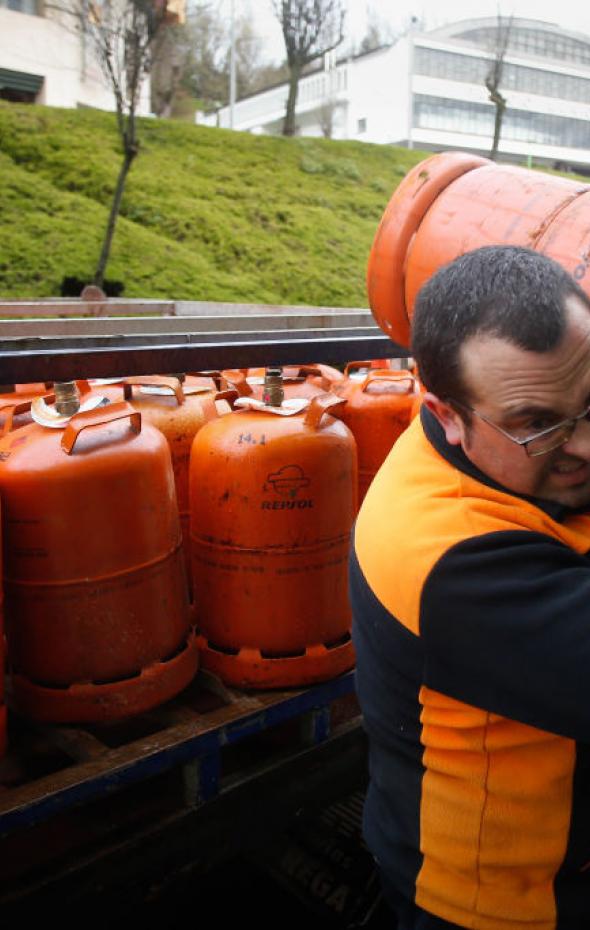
{"x": 179, "y": 414}
{"x": 97, "y": 614}
{"x": 377, "y": 411}
{"x": 453, "y": 203}
{"x": 273, "y": 498}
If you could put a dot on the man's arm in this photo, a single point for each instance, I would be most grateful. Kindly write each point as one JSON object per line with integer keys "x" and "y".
{"x": 505, "y": 623}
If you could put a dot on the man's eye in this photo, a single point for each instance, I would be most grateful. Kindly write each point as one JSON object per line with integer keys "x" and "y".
{"x": 541, "y": 423}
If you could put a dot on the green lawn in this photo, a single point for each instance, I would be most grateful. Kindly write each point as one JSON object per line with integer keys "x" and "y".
{"x": 208, "y": 214}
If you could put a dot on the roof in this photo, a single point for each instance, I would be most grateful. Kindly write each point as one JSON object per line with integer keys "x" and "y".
{"x": 456, "y": 29}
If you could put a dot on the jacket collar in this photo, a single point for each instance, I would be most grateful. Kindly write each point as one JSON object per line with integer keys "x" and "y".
{"x": 456, "y": 457}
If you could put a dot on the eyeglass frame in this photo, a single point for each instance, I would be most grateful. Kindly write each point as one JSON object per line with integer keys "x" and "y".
{"x": 570, "y": 423}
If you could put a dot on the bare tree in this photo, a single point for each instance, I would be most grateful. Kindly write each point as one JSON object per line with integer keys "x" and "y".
{"x": 123, "y": 35}
{"x": 268, "y": 75}
{"x": 329, "y": 106}
{"x": 197, "y": 58}
{"x": 326, "y": 116}
{"x": 378, "y": 32}
{"x": 170, "y": 67}
{"x": 311, "y": 28}
{"x": 249, "y": 52}
{"x": 205, "y": 76}
{"x": 494, "y": 77}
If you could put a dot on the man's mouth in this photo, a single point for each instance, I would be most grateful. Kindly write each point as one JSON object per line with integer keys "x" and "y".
{"x": 568, "y": 474}
{"x": 567, "y": 468}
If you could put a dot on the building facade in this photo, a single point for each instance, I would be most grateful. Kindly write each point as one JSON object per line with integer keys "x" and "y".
{"x": 44, "y": 59}
{"x": 428, "y": 91}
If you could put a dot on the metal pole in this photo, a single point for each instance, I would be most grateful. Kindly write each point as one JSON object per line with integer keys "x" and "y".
{"x": 232, "y": 65}
{"x": 410, "y": 82}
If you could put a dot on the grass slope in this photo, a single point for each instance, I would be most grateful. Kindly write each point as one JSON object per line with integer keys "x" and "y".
{"x": 208, "y": 214}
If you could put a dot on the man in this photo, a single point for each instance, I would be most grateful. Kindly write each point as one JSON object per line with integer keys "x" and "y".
{"x": 470, "y": 584}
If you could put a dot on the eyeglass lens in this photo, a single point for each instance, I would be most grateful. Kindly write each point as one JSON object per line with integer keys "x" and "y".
{"x": 557, "y": 437}
{"x": 551, "y": 441}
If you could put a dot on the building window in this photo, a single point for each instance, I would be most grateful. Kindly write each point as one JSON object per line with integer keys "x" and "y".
{"x": 21, "y": 6}
{"x": 18, "y": 86}
{"x": 452, "y": 67}
{"x": 518, "y": 125}
{"x": 533, "y": 42}
{"x": 361, "y": 125}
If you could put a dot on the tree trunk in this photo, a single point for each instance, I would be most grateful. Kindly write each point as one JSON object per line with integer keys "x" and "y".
{"x": 289, "y": 124}
{"x": 500, "y": 104}
{"x": 115, "y": 207}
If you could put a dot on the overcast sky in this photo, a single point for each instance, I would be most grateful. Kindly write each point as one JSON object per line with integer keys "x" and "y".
{"x": 570, "y": 14}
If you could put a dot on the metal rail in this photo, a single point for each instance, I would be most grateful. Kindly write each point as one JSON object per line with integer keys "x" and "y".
{"x": 172, "y": 325}
{"x": 212, "y": 336}
{"x": 69, "y": 307}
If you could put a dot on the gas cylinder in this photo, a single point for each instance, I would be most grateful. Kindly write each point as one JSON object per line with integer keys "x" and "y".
{"x": 452, "y": 203}
{"x": 179, "y": 415}
{"x": 97, "y": 614}
{"x": 378, "y": 409}
{"x": 273, "y": 498}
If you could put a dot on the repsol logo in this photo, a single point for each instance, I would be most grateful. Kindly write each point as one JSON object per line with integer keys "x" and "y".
{"x": 287, "y": 505}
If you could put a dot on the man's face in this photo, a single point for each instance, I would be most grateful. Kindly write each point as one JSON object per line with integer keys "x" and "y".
{"x": 525, "y": 392}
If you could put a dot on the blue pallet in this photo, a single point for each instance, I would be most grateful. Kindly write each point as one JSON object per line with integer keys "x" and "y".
{"x": 198, "y": 741}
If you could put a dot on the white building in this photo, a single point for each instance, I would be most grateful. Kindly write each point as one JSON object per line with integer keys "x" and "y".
{"x": 44, "y": 60}
{"x": 427, "y": 91}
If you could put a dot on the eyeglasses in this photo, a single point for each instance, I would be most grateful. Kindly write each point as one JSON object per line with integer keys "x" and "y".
{"x": 547, "y": 440}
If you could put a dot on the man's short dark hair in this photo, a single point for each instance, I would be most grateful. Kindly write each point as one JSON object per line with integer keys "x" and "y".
{"x": 504, "y": 291}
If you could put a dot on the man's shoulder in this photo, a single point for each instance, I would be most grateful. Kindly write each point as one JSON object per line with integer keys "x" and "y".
{"x": 420, "y": 508}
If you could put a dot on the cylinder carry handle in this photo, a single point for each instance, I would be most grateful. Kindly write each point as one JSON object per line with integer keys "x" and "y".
{"x": 98, "y": 417}
{"x": 13, "y": 410}
{"x": 230, "y": 395}
{"x": 214, "y": 374}
{"x": 354, "y": 366}
{"x": 237, "y": 378}
{"x": 319, "y": 405}
{"x": 312, "y": 371}
{"x": 161, "y": 381}
{"x": 383, "y": 375}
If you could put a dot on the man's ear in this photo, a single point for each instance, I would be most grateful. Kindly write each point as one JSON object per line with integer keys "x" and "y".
{"x": 448, "y": 418}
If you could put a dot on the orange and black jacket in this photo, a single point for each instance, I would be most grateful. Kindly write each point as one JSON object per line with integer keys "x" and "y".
{"x": 471, "y": 610}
